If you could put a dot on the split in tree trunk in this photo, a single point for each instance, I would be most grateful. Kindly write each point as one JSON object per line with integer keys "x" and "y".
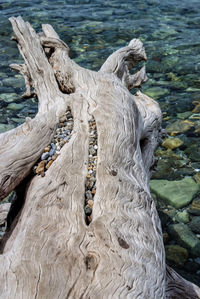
{"x": 63, "y": 241}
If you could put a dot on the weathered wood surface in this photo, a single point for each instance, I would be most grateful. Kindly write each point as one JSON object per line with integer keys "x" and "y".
{"x": 51, "y": 252}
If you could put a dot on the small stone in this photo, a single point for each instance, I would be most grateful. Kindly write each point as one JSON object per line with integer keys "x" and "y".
{"x": 52, "y": 151}
{"x": 46, "y": 149}
{"x": 95, "y": 147}
{"x": 42, "y": 174}
{"x": 172, "y": 143}
{"x": 92, "y": 151}
{"x": 66, "y": 138}
{"x": 69, "y": 126}
{"x": 49, "y": 164}
{"x": 182, "y": 217}
{"x": 89, "y": 184}
{"x": 45, "y": 156}
{"x": 90, "y": 203}
{"x": 34, "y": 169}
{"x": 58, "y": 152}
{"x": 63, "y": 118}
{"x": 176, "y": 254}
{"x": 93, "y": 191}
{"x": 195, "y": 207}
{"x": 54, "y": 157}
{"x": 194, "y": 225}
{"x": 40, "y": 167}
{"x": 93, "y": 179}
{"x": 88, "y": 210}
{"x": 88, "y": 194}
{"x": 53, "y": 146}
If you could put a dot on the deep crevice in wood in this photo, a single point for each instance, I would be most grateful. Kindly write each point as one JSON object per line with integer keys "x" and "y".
{"x": 90, "y": 184}
{"x": 52, "y": 151}
{"x": 15, "y": 210}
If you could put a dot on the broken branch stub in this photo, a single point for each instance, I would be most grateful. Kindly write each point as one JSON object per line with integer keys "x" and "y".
{"x": 89, "y": 218}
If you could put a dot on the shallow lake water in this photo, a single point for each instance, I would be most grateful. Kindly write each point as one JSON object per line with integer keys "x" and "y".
{"x": 170, "y": 31}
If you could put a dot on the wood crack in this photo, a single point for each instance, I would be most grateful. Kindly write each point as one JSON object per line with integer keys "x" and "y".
{"x": 90, "y": 184}
{"x": 52, "y": 151}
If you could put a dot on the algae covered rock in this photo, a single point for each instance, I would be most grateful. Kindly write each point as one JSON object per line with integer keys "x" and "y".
{"x": 179, "y": 126}
{"x": 195, "y": 207}
{"x": 176, "y": 254}
{"x": 175, "y": 193}
{"x": 172, "y": 143}
{"x": 182, "y": 217}
{"x": 185, "y": 237}
{"x": 156, "y": 92}
{"x": 194, "y": 225}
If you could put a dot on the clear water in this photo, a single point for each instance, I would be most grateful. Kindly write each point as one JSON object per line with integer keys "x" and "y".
{"x": 170, "y": 31}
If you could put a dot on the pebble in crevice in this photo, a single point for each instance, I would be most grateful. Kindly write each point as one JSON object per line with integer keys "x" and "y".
{"x": 52, "y": 151}
{"x": 90, "y": 184}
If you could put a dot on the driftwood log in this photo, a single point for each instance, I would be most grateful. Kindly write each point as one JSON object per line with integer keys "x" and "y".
{"x": 50, "y": 250}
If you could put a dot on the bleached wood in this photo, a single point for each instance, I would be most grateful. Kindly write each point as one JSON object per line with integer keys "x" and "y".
{"x": 4, "y": 209}
{"x": 51, "y": 252}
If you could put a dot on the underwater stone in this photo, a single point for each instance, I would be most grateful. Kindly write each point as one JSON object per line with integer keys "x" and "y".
{"x": 15, "y": 106}
{"x": 175, "y": 193}
{"x": 176, "y": 254}
{"x": 185, "y": 237}
{"x": 172, "y": 143}
{"x": 179, "y": 126}
{"x": 194, "y": 225}
{"x": 156, "y": 92}
{"x": 195, "y": 207}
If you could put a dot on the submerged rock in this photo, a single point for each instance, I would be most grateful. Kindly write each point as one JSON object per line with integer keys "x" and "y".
{"x": 172, "y": 143}
{"x": 195, "y": 207}
{"x": 182, "y": 217}
{"x": 194, "y": 225}
{"x": 179, "y": 126}
{"x": 156, "y": 92}
{"x": 175, "y": 193}
{"x": 185, "y": 237}
{"x": 176, "y": 254}
{"x": 15, "y": 106}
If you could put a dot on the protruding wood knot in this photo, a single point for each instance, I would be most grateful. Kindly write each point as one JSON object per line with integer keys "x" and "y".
{"x": 113, "y": 172}
{"x": 90, "y": 262}
{"x": 123, "y": 243}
